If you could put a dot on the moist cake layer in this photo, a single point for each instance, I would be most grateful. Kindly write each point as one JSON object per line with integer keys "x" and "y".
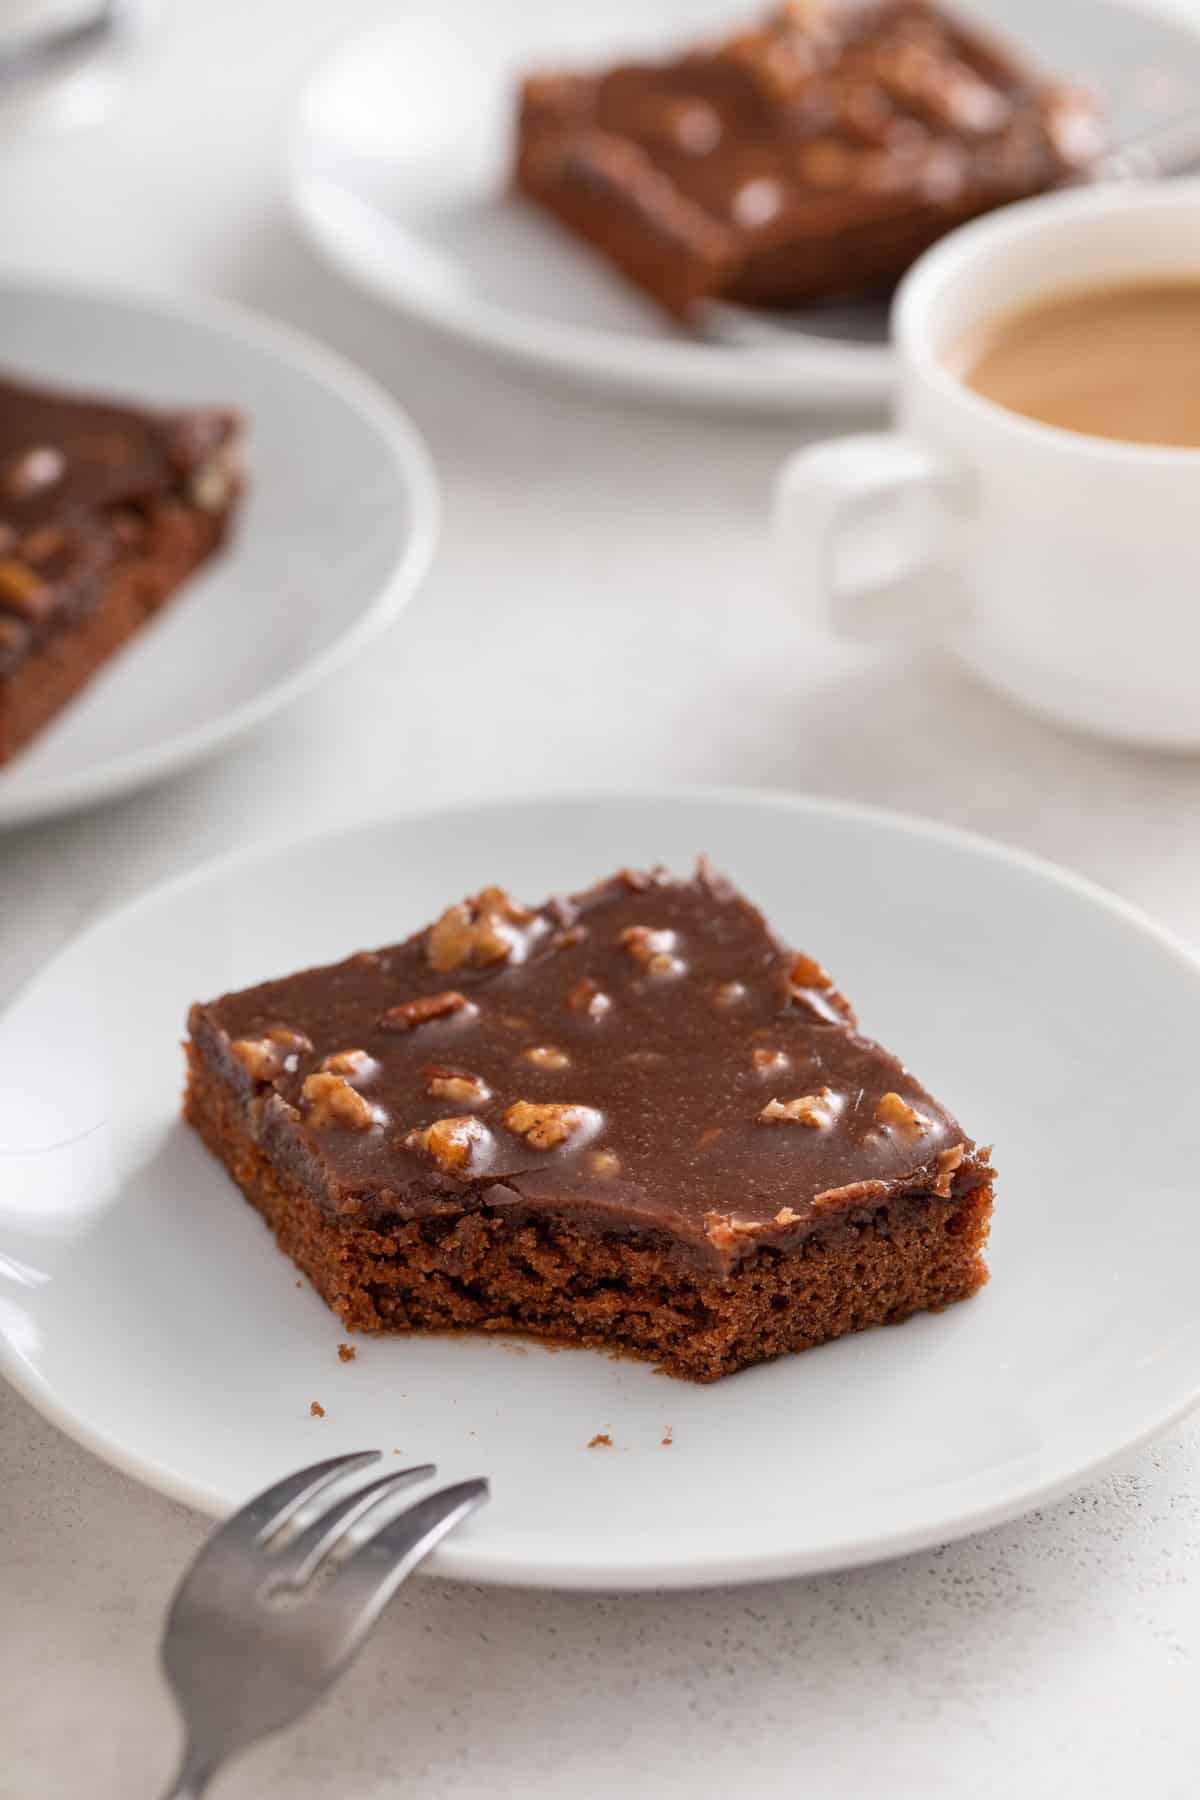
{"x": 484, "y": 1269}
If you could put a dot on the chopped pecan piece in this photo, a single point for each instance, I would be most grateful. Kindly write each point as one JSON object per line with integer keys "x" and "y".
{"x": 728, "y": 993}
{"x": 809, "y": 986}
{"x": 330, "y": 1100}
{"x": 545, "y": 1125}
{"x": 276, "y": 1053}
{"x": 815, "y": 1110}
{"x": 547, "y": 1056}
{"x": 947, "y": 1162}
{"x": 857, "y": 1193}
{"x": 785, "y": 1216}
{"x": 768, "y": 1061}
{"x": 450, "y": 1143}
{"x": 653, "y": 949}
{"x": 489, "y": 928}
{"x": 411, "y": 1013}
{"x": 806, "y": 972}
{"x": 895, "y": 1114}
{"x": 604, "y": 1163}
{"x": 23, "y": 590}
{"x": 585, "y": 997}
{"x": 725, "y": 1231}
{"x": 348, "y": 1062}
{"x": 457, "y": 1085}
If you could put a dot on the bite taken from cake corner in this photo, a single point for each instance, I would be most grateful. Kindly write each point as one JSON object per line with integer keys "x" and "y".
{"x": 633, "y": 1119}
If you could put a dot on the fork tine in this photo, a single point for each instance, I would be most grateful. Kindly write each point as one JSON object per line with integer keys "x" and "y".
{"x": 271, "y": 1509}
{"x": 375, "y": 1570}
{"x": 299, "y": 1559}
{"x": 240, "y": 1667}
{"x": 402, "y": 1543}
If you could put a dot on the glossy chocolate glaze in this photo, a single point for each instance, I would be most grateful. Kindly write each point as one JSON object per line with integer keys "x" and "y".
{"x": 79, "y": 479}
{"x": 669, "y": 1078}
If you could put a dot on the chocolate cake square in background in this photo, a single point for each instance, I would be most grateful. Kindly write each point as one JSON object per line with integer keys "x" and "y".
{"x": 633, "y": 1119}
{"x": 814, "y": 154}
{"x": 104, "y": 512}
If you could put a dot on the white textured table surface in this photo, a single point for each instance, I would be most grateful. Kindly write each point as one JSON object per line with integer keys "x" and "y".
{"x": 603, "y": 570}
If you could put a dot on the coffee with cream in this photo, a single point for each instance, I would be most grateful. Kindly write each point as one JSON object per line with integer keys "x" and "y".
{"x": 1113, "y": 362}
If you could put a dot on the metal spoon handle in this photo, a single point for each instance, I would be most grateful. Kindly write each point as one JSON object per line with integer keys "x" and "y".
{"x": 1171, "y": 149}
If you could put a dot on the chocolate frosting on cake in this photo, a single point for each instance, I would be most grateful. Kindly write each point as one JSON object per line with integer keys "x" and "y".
{"x": 646, "y": 1056}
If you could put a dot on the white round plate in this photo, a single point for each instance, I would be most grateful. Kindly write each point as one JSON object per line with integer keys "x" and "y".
{"x": 399, "y": 174}
{"x": 334, "y": 534}
{"x": 144, "y": 1308}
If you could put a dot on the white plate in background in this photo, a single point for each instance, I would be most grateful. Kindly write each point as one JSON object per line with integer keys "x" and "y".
{"x": 334, "y": 533}
{"x": 145, "y": 1309}
{"x": 399, "y": 175}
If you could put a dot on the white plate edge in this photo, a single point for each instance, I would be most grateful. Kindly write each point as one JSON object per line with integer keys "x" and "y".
{"x": 455, "y": 1559}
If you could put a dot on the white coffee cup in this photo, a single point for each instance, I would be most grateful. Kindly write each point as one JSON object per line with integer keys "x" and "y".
{"x": 1062, "y": 569}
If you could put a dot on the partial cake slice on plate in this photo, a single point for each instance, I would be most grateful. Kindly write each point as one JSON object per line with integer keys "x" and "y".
{"x": 105, "y": 511}
{"x": 816, "y": 152}
{"x": 631, "y": 1119}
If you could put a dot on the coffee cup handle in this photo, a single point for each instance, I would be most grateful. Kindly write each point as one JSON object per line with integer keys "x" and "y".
{"x": 837, "y": 550}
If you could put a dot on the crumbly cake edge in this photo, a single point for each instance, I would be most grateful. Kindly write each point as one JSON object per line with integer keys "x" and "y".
{"x": 547, "y": 1277}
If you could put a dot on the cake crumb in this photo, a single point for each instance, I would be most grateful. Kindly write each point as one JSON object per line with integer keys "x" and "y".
{"x": 317, "y": 1410}
{"x": 601, "y": 1441}
{"x": 299, "y": 1284}
{"x": 346, "y": 1352}
{"x": 669, "y": 1435}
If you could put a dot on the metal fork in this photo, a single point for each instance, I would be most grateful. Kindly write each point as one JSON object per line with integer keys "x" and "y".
{"x": 58, "y": 49}
{"x": 266, "y": 1619}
